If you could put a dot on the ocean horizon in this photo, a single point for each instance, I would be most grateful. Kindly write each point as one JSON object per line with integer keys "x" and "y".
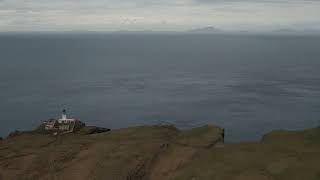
{"x": 248, "y": 85}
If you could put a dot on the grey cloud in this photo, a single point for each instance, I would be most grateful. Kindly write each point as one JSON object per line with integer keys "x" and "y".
{"x": 257, "y": 1}
{"x": 149, "y": 14}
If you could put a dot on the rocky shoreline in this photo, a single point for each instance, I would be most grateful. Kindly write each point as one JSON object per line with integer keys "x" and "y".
{"x": 159, "y": 153}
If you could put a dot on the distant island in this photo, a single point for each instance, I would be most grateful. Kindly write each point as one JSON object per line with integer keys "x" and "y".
{"x": 209, "y": 30}
{"x": 159, "y": 152}
{"x": 206, "y": 30}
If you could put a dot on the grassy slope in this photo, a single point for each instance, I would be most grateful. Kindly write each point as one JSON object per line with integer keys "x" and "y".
{"x": 281, "y": 155}
{"x": 119, "y": 154}
{"x": 161, "y": 153}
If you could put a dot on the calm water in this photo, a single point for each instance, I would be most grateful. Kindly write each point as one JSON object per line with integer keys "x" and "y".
{"x": 247, "y": 84}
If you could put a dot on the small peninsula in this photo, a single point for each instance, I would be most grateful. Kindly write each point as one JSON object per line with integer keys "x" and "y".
{"x": 159, "y": 152}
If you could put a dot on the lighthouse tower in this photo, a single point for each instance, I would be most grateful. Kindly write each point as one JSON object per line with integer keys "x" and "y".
{"x": 64, "y": 118}
{"x": 64, "y": 115}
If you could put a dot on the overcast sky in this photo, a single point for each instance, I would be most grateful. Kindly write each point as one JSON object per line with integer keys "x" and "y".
{"x": 109, "y": 15}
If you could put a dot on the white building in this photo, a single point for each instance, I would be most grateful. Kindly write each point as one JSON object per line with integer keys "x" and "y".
{"x": 64, "y": 118}
{"x": 49, "y": 125}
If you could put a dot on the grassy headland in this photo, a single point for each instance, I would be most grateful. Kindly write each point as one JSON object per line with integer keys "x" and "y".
{"x": 161, "y": 153}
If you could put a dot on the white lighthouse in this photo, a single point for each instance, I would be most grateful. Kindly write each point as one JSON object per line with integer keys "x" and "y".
{"x": 64, "y": 118}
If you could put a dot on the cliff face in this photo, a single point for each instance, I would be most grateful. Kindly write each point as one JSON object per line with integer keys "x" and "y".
{"x": 160, "y": 153}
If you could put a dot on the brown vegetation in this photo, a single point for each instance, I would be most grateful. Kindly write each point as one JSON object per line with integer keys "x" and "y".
{"x": 160, "y": 153}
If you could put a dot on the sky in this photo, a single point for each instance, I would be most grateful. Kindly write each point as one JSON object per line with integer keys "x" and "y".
{"x": 158, "y": 15}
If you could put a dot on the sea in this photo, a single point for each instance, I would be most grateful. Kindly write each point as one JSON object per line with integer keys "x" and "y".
{"x": 247, "y": 84}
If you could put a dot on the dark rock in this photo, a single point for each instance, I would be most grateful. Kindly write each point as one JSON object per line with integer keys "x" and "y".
{"x": 78, "y": 126}
{"x": 15, "y": 133}
{"x": 93, "y": 130}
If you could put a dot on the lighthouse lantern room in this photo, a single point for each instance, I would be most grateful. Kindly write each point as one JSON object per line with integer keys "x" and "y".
{"x": 64, "y": 118}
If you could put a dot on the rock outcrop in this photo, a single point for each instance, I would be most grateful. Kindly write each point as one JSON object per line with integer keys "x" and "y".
{"x": 15, "y": 133}
{"x": 92, "y": 130}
